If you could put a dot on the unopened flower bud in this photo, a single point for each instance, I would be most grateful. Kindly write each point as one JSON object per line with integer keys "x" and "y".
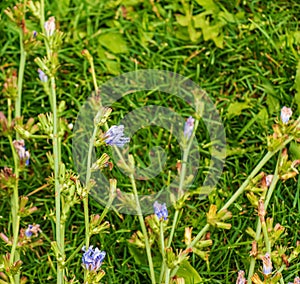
{"x": 285, "y": 114}
{"x": 50, "y": 26}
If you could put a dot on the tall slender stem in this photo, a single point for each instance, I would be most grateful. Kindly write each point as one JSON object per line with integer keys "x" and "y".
{"x": 56, "y": 154}
{"x": 182, "y": 178}
{"x": 91, "y": 61}
{"x": 167, "y": 281}
{"x": 259, "y": 225}
{"x": 162, "y": 244}
{"x": 86, "y": 197}
{"x": 15, "y": 256}
{"x": 87, "y": 180}
{"x": 144, "y": 230}
{"x": 20, "y": 78}
{"x": 56, "y": 145}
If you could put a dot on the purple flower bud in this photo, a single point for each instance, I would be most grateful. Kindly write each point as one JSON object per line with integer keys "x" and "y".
{"x": 34, "y": 34}
{"x": 267, "y": 264}
{"x": 285, "y": 114}
{"x": 50, "y": 26}
{"x": 269, "y": 179}
{"x": 32, "y": 229}
{"x": 21, "y": 151}
{"x": 160, "y": 210}
{"x": 43, "y": 77}
{"x": 115, "y": 136}
{"x": 92, "y": 259}
{"x": 189, "y": 127}
{"x": 241, "y": 278}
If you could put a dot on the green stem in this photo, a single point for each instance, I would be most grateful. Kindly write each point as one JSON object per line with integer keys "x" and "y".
{"x": 59, "y": 226}
{"x": 56, "y": 154}
{"x": 91, "y": 61}
{"x": 87, "y": 180}
{"x": 182, "y": 179}
{"x": 162, "y": 244}
{"x": 144, "y": 230}
{"x": 175, "y": 220}
{"x": 199, "y": 236}
{"x": 20, "y": 78}
{"x": 86, "y": 197}
{"x": 14, "y": 256}
{"x": 167, "y": 281}
{"x": 11, "y": 279}
{"x": 107, "y": 206}
{"x": 266, "y": 237}
{"x": 74, "y": 253}
{"x": 259, "y": 225}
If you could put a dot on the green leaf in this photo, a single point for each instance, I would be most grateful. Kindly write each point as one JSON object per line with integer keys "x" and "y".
{"x": 113, "y": 67}
{"x": 200, "y": 21}
{"x": 114, "y": 42}
{"x": 208, "y": 5}
{"x": 273, "y": 104}
{"x": 182, "y": 20}
{"x": 263, "y": 117}
{"x": 194, "y": 35}
{"x": 236, "y": 109}
{"x": 189, "y": 273}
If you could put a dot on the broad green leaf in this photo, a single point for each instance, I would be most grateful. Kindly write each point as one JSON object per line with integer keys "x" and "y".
{"x": 194, "y": 35}
{"x": 189, "y": 273}
{"x": 236, "y": 109}
{"x": 200, "y": 21}
{"x": 101, "y": 53}
{"x": 113, "y": 67}
{"x": 273, "y": 104}
{"x": 262, "y": 117}
{"x": 182, "y": 20}
{"x": 208, "y": 5}
{"x": 114, "y": 42}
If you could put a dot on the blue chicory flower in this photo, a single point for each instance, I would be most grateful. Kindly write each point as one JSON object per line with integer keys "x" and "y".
{"x": 115, "y": 136}
{"x": 160, "y": 210}
{"x": 43, "y": 77}
{"x": 92, "y": 258}
{"x": 285, "y": 114}
{"x": 189, "y": 127}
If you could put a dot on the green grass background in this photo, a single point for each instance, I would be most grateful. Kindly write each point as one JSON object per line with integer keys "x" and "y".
{"x": 249, "y": 79}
